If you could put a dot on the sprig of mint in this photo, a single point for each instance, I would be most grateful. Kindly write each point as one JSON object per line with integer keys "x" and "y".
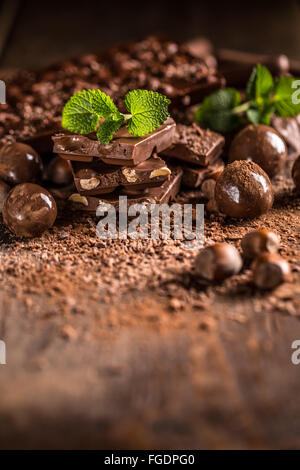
{"x": 223, "y": 111}
{"x": 92, "y": 110}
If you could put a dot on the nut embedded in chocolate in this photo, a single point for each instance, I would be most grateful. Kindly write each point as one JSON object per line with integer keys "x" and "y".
{"x": 244, "y": 190}
{"x": 20, "y": 163}
{"x": 29, "y": 210}
{"x": 59, "y": 172}
{"x": 296, "y": 173}
{"x": 259, "y": 241}
{"x": 217, "y": 262}
{"x": 270, "y": 270}
{"x": 262, "y": 145}
{"x": 4, "y": 190}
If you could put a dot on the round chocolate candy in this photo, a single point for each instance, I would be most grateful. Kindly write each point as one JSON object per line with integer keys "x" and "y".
{"x": 20, "y": 163}
{"x": 4, "y": 190}
{"x": 59, "y": 172}
{"x": 29, "y": 210}
{"x": 243, "y": 190}
{"x": 262, "y": 145}
{"x": 296, "y": 173}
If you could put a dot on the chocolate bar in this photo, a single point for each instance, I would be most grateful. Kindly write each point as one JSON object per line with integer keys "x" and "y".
{"x": 193, "y": 176}
{"x": 195, "y": 145}
{"x": 100, "y": 178}
{"x": 160, "y": 195}
{"x": 124, "y": 149}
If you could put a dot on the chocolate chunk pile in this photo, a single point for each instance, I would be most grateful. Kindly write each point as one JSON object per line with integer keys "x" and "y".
{"x": 36, "y": 98}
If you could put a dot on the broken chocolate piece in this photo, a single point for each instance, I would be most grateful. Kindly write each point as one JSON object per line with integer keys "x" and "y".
{"x": 124, "y": 149}
{"x": 195, "y": 145}
{"x": 159, "y": 195}
{"x": 194, "y": 176}
{"x": 100, "y": 178}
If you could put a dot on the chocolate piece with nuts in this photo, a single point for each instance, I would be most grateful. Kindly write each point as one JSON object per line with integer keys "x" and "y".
{"x": 98, "y": 178}
{"x": 164, "y": 193}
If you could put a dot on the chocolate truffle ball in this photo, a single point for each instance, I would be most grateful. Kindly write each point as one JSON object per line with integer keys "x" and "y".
{"x": 19, "y": 163}
{"x": 270, "y": 270}
{"x": 29, "y": 210}
{"x": 243, "y": 190}
{"x": 59, "y": 172}
{"x": 296, "y": 173}
{"x": 262, "y": 145}
{"x": 217, "y": 262}
{"x": 4, "y": 190}
{"x": 259, "y": 241}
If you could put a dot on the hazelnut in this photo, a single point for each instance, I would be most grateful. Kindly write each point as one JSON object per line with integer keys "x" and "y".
{"x": 217, "y": 262}
{"x": 259, "y": 241}
{"x": 76, "y": 197}
{"x": 270, "y": 270}
{"x": 130, "y": 175}
{"x": 89, "y": 184}
{"x": 209, "y": 183}
{"x": 160, "y": 172}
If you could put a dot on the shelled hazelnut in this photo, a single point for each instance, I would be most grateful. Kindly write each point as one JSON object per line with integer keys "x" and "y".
{"x": 217, "y": 262}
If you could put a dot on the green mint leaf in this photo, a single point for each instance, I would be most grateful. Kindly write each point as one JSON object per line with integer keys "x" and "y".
{"x": 108, "y": 128}
{"x": 253, "y": 115}
{"x": 148, "y": 110}
{"x": 217, "y": 110}
{"x": 78, "y": 114}
{"x": 260, "y": 84}
{"x": 285, "y": 103}
{"x": 103, "y": 105}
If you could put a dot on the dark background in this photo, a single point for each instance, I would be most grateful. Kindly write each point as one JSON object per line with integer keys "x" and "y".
{"x": 44, "y": 32}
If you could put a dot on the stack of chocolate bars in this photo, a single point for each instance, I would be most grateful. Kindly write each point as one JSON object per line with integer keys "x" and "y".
{"x": 128, "y": 166}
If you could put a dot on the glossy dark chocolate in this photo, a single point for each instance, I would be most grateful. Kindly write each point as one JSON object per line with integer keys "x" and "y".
{"x": 20, "y": 163}
{"x": 4, "y": 190}
{"x": 29, "y": 210}
{"x": 99, "y": 178}
{"x": 243, "y": 190}
{"x": 262, "y": 145}
{"x": 195, "y": 145}
{"x": 160, "y": 195}
{"x": 59, "y": 172}
{"x": 124, "y": 149}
